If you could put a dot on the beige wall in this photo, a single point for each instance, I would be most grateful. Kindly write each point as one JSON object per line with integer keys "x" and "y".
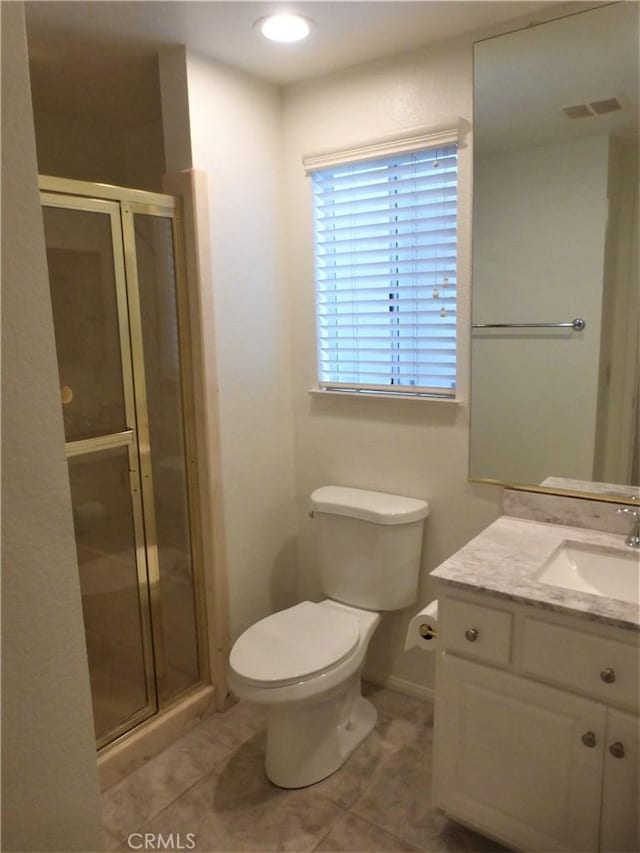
{"x": 617, "y": 430}
{"x": 236, "y": 139}
{"x": 415, "y": 448}
{"x": 108, "y": 128}
{"x": 539, "y": 261}
{"x": 49, "y": 777}
{"x": 87, "y": 148}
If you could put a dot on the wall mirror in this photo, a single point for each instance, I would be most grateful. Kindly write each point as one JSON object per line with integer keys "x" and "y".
{"x": 555, "y": 240}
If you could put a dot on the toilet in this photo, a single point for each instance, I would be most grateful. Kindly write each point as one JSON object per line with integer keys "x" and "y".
{"x": 304, "y": 663}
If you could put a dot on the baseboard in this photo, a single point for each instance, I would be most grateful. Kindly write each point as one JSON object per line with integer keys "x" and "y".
{"x": 409, "y": 688}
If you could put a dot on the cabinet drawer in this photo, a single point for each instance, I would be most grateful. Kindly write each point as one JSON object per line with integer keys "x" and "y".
{"x": 483, "y": 633}
{"x": 604, "y": 669}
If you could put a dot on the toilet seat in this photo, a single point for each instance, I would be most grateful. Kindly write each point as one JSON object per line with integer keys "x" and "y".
{"x": 302, "y": 641}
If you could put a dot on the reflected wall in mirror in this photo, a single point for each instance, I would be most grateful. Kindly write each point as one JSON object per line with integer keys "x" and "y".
{"x": 555, "y": 237}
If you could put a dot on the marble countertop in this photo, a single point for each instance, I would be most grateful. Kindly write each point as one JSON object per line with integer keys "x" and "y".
{"x": 609, "y": 489}
{"x": 503, "y": 559}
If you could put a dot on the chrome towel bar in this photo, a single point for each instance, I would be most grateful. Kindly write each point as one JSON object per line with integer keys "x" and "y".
{"x": 577, "y": 325}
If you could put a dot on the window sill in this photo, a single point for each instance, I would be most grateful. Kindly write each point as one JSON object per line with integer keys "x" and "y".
{"x": 359, "y": 395}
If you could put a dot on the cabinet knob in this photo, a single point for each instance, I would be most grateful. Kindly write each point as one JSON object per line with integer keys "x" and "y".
{"x": 589, "y": 739}
{"x": 471, "y": 634}
{"x": 617, "y": 749}
{"x": 608, "y": 675}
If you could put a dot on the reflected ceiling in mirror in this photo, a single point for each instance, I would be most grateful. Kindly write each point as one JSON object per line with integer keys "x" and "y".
{"x": 555, "y": 239}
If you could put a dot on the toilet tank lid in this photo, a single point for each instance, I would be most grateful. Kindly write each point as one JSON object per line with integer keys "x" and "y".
{"x": 377, "y": 507}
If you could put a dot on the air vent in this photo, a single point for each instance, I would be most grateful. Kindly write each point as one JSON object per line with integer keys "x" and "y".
{"x": 577, "y": 111}
{"x": 589, "y": 109}
{"x": 607, "y": 105}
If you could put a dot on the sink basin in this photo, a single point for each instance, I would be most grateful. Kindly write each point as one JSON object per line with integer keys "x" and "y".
{"x": 594, "y": 569}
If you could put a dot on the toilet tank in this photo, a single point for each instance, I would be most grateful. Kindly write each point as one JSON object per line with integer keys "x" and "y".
{"x": 369, "y": 546}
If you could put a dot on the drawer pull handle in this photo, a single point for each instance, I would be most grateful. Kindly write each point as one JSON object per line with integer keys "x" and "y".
{"x": 471, "y": 634}
{"x": 617, "y": 749}
{"x": 589, "y": 739}
{"x": 608, "y": 675}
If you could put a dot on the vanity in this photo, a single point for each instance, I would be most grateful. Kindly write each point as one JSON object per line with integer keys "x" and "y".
{"x": 537, "y": 678}
{"x": 537, "y": 689}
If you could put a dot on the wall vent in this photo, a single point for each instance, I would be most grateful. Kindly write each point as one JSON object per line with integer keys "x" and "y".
{"x": 589, "y": 109}
{"x": 577, "y": 111}
{"x": 606, "y": 105}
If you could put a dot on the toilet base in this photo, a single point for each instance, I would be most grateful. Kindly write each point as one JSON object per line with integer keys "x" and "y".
{"x": 309, "y": 741}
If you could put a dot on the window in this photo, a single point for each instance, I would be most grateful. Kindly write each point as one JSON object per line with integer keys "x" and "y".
{"x": 385, "y": 269}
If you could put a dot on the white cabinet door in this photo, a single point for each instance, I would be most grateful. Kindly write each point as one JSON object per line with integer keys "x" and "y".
{"x": 620, "y": 828}
{"x": 518, "y": 760}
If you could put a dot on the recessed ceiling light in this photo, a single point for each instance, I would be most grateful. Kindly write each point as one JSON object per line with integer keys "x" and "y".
{"x": 284, "y": 27}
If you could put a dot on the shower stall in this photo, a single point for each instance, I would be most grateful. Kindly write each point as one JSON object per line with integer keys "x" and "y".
{"x": 121, "y": 329}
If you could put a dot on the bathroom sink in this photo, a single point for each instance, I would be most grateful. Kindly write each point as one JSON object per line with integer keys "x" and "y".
{"x": 594, "y": 569}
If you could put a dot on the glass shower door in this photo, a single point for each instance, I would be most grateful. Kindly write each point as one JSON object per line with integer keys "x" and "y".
{"x": 150, "y": 259}
{"x": 89, "y": 299}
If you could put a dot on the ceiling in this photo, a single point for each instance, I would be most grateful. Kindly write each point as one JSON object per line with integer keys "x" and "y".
{"x": 102, "y": 55}
{"x": 98, "y": 59}
{"x": 346, "y": 33}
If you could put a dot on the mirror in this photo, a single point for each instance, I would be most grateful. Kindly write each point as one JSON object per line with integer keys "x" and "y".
{"x": 555, "y": 239}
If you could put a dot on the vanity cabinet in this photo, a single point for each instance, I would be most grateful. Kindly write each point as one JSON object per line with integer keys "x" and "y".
{"x": 619, "y": 828}
{"x": 536, "y": 726}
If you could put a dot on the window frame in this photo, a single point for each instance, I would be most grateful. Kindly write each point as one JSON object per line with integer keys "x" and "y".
{"x": 416, "y": 140}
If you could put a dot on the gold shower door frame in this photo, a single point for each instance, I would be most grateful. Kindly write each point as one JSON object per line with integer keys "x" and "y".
{"x": 121, "y": 204}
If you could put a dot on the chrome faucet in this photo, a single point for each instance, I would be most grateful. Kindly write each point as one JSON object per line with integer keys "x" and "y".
{"x": 633, "y": 539}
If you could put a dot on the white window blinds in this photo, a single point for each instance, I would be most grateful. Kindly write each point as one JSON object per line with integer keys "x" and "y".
{"x": 385, "y": 264}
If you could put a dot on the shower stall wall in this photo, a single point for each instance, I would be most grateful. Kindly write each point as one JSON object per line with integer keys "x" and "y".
{"x": 121, "y": 327}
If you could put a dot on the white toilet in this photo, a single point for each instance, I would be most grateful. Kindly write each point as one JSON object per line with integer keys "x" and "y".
{"x": 305, "y": 662}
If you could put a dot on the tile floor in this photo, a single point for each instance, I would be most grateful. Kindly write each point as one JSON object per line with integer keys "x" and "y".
{"x": 211, "y": 783}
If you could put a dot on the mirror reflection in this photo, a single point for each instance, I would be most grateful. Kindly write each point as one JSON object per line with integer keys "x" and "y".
{"x": 556, "y": 240}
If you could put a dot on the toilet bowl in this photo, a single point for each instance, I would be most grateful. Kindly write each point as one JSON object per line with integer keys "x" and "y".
{"x": 304, "y": 663}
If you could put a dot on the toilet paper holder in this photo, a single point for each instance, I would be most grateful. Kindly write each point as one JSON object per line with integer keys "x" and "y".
{"x": 427, "y": 632}
{"x": 422, "y": 632}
